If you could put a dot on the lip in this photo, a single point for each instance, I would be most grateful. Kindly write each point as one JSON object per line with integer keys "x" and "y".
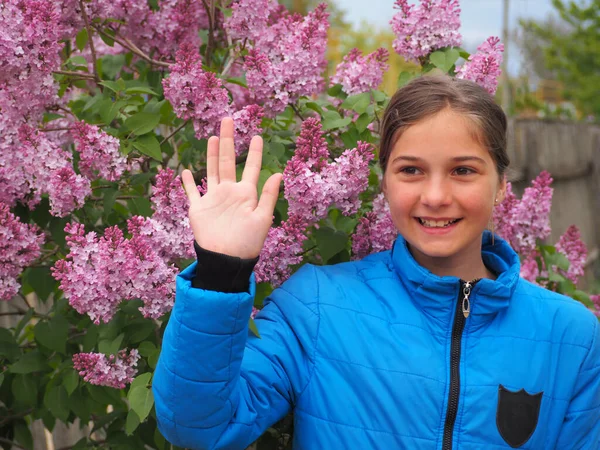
{"x": 436, "y": 231}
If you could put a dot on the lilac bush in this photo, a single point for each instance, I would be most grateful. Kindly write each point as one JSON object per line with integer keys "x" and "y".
{"x": 103, "y": 103}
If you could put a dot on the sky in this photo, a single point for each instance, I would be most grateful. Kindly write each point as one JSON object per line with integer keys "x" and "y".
{"x": 479, "y": 18}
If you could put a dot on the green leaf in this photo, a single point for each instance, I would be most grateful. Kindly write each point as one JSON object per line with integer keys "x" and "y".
{"x": 146, "y": 348}
{"x": 240, "y": 81}
{"x": 263, "y": 290}
{"x": 404, "y": 78}
{"x": 444, "y": 60}
{"x": 70, "y": 381}
{"x": 111, "y": 347}
{"x": 142, "y": 122}
{"x": 335, "y": 90}
{"x": 1, "y": 379}
{"x": 81, "y": 39}
{"x": 53, "y": 334}
{"x": 153, "y": 359}
{"x": 140, "y": 90}
{"x": 131, "y": 423}
{"x": 30, "y": 362}
{"x": 25, "y": 390}
{"x": 253, "y": 328}
{"x": 363, "y": 122}
{"x": 358, "y": 103}
{"x": 108, "y": 109}
{"x": 141, "y": 401}
{"x": 138, "y": 330}
{"x": 57, "y": 402}
{"x": 90, "y": 339}
{"x": 108, "y": 40}
{"x": 114, "y": 86}
{"x": 149, "y": 145}
{"x": 561, "y": 261}
{"x": 141, "y": 380}
{"x": 140, "y": 206}
{"x": 330, "y": 242}
{"x": 41, "y": 280}
{"x": 23, "y": 435}
{"x": 8, "y": 345}
{"x": 338, "y": 123}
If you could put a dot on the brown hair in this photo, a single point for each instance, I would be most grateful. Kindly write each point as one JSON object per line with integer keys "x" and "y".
{"x": 427, "y": 95}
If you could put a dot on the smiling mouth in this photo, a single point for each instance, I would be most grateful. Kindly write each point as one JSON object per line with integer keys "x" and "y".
{"x": 437, "y": 223}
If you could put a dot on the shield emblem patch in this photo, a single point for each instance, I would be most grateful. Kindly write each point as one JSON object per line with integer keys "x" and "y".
{"x": 517, "y": 415}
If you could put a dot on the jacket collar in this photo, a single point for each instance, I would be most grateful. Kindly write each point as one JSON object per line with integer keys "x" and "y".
{"x": 437, "y": 296}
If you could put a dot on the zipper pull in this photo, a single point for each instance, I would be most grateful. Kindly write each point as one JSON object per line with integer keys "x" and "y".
{"x": 466, "y": 304}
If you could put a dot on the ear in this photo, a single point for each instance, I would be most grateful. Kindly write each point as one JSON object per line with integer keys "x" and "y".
{"x": 501, "y": 192}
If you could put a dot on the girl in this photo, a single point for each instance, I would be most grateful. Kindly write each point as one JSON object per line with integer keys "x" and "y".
{"x": 435, "y": 344}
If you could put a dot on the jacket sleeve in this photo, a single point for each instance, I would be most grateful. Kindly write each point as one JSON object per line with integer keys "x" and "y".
{"x": 216, "y": 385}
{"x": 581, "y": 426}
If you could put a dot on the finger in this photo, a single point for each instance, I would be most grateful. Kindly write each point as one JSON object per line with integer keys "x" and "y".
{"x": 190, "y": 186}
{"x": 254, "y": 161}
{"x": 212, "y": 163}
{"x": 270, "y": 194}
{"x": 226, "y": 151}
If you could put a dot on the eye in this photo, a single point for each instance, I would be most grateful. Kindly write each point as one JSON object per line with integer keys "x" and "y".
{"x": 463, "y": 171}
{"x": 409, "y": 170}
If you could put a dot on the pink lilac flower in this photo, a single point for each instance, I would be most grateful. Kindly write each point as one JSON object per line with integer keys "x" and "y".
{"x": 32, "y": 164}
{"x": 523, "y": 222}
{"x": 99, "y": 152}
{"x": 254, "y": 312}
{"x": 169, "y": 228}
{"x": 288, "y": 59}
{"x": 98, "y": 273}
{"x": 20, "y": 245}
{"x": 112, "y": 371}
{"x": 312, "y": 185}
{"x": 375, "y": 231}
{"x": 282, "y": 249}
{"x": 249, "y": 18}
{"x": 357, "y": 73}
{"x": 422, "y": 29}
{"x": 530, "y": 269}
{"x": 483, "y": 67}
{"x": 67, "y": 191}
{"x": 247, "y": 125}
{"x": 571, "y": 245}
{"x": 196, "y": 94}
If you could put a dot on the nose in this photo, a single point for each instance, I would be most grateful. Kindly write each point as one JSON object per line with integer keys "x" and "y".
{"x": 436, "y": 192}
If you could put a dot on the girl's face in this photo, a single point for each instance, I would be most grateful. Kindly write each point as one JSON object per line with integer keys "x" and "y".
{"x": 441, "y": 185}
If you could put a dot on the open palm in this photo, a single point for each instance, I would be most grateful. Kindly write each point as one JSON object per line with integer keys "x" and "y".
{"x": 230, "y": 218}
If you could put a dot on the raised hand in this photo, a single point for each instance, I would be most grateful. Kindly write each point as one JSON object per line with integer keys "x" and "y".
{"x": 230, "y": 218}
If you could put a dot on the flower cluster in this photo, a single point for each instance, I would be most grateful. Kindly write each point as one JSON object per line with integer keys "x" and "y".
{"x": 200, "y": 96}
{"x": 19, "y": 246}
{"x": 169, "y": 228}
{"x": 114, "y": 371}
{"x": 596, "y": 302}
{"x": 571, "y": 245}
{"x": 288, "y": 59}
{"x": 375, "y": 231}
{"x": 32, "y": 164}
{"x": 483, "y": 67}
{"x": 312, "y": 184}
{"x": 357, "y": 73}
{"x": 523, "y": 222}
{"x": 425, "y": 28}
{"x": 249, "y": 18}
{"x": 282, "y": 249}
{"x": 99, "y": 152}
{"x": 29, "y": 52}
{"x": 98, "y": 273}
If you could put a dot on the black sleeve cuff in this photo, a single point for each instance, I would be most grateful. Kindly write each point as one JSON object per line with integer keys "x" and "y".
{"x": 222, "y": 273}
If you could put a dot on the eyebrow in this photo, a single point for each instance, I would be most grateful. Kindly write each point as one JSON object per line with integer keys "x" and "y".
{"x": 456, "y": 159}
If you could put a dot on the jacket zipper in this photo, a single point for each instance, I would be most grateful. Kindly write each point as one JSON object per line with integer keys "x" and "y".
{"x": 463, "y": 309}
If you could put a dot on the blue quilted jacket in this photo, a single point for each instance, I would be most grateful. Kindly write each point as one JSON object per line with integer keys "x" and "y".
{"x": 378, "y": 354}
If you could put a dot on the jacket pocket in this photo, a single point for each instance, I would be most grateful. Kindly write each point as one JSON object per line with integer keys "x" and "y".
{"x": 517, "y": 415}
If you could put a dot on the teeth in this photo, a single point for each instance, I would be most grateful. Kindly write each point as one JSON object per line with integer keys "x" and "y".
{"x": 436, "y": 223}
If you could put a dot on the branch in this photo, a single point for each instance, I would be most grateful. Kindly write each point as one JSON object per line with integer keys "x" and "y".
{"x": 75, "y": 74}
{"x": 90, "y": 41}
{"x": 126, "y": 43}
{"x": 25, "y": 300}
{"x": 211, "y": 28}
{"x": 175, "y": 132}
{"x": 297, "y": 111}
{"x": 11, "y": 443}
